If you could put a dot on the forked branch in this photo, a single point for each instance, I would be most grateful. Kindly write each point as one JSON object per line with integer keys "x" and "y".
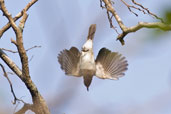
{"x": 20, "y": 14}
{"x": 39, "y": 106}
{"x": 126, "y": 30}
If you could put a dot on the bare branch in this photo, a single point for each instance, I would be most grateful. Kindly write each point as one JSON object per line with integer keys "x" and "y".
{"x": 33, "y": 48}
{"x": 11, "y": 64}
{"x": 11, "y": 73}
{"x": 25, "y": 108}
{"x": 110, "y": 8}
{"x": 26, "y": 105}
{"x": 8, "y": 50}
{"x": 101, "y": 4}
{"x": 110, "y": 21}
{"x": 142, "y": 9}
{"x": 40, "y": 106}
{"x": 140, "y": 25}
{"x": 31, "y": 58}
{"x": 148, "y": 11}
{"x": 8, "y": 25}
{"x": 19, "y": 39}
{"x": 129, "y": 8}
{"x": 6, "y": 76}
{"x": 23, "y": 21}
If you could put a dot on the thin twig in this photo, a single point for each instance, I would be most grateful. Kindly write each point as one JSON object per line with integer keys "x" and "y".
{"x": 129, "y": 8}
{"x": 11, "y": 73}
{"x": 111, "y": 23}
{"x": 26, "y": 105}
{"x": 101, "y": 4}
{"x": 14, "y": 42}
{"x": 126, "y": 30}
{"x": 148, "y": 11}
{"x": 144, "y": 10}
{"x": 8, "y": 50}
{"x": 31, "y": 58}
{"x": 33, "y": 48}
{"x": 110, "y": 8}
{"x": 12, "y": 90}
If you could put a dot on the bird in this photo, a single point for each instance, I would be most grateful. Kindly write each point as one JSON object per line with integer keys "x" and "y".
{"x": 108, "y": 64}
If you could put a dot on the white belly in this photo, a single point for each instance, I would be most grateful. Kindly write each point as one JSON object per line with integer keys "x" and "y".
{"x": 87, "y": 61}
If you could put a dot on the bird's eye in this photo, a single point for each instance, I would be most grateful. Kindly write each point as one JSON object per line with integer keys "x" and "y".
{"x": 85, "y": 49}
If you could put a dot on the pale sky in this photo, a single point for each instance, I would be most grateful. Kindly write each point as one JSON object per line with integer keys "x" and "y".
{"x": 60, "y": 24}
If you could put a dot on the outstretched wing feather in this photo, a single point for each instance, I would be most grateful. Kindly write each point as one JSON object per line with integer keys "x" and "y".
{"x": 110, "y": 65}
{"x": 69, "y": 60}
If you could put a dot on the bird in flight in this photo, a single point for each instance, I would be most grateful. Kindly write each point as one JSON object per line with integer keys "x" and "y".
{"x": 108, "y": 65}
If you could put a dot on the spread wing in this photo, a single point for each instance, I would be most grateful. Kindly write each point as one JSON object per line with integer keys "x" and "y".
{"x": 110, "y": 65}
{"x": 69, "y": 60}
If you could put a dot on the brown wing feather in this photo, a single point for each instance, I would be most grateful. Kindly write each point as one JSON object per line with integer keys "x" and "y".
{"x": 69, "y": 60}
{"x": 110, "y": 65}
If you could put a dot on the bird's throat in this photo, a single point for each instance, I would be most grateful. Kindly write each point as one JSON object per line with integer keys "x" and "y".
{"x": 87, "y": 63}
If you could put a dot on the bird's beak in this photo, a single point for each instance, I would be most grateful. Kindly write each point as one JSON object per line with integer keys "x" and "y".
{"x": 92, "y": 30}
{"x": 89, "y": 43}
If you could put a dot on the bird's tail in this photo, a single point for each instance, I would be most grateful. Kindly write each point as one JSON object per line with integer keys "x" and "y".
{"x": 92, "y": 30}
{"x": 87, "y": 81}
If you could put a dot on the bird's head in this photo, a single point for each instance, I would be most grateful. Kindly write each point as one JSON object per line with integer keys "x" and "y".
{"x": 88, "y": 46}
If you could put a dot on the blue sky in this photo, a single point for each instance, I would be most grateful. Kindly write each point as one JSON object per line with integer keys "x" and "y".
{"x": 58, "y": 25}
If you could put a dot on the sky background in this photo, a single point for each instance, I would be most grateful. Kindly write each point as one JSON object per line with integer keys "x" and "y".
{"x": 59, "y": 24}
